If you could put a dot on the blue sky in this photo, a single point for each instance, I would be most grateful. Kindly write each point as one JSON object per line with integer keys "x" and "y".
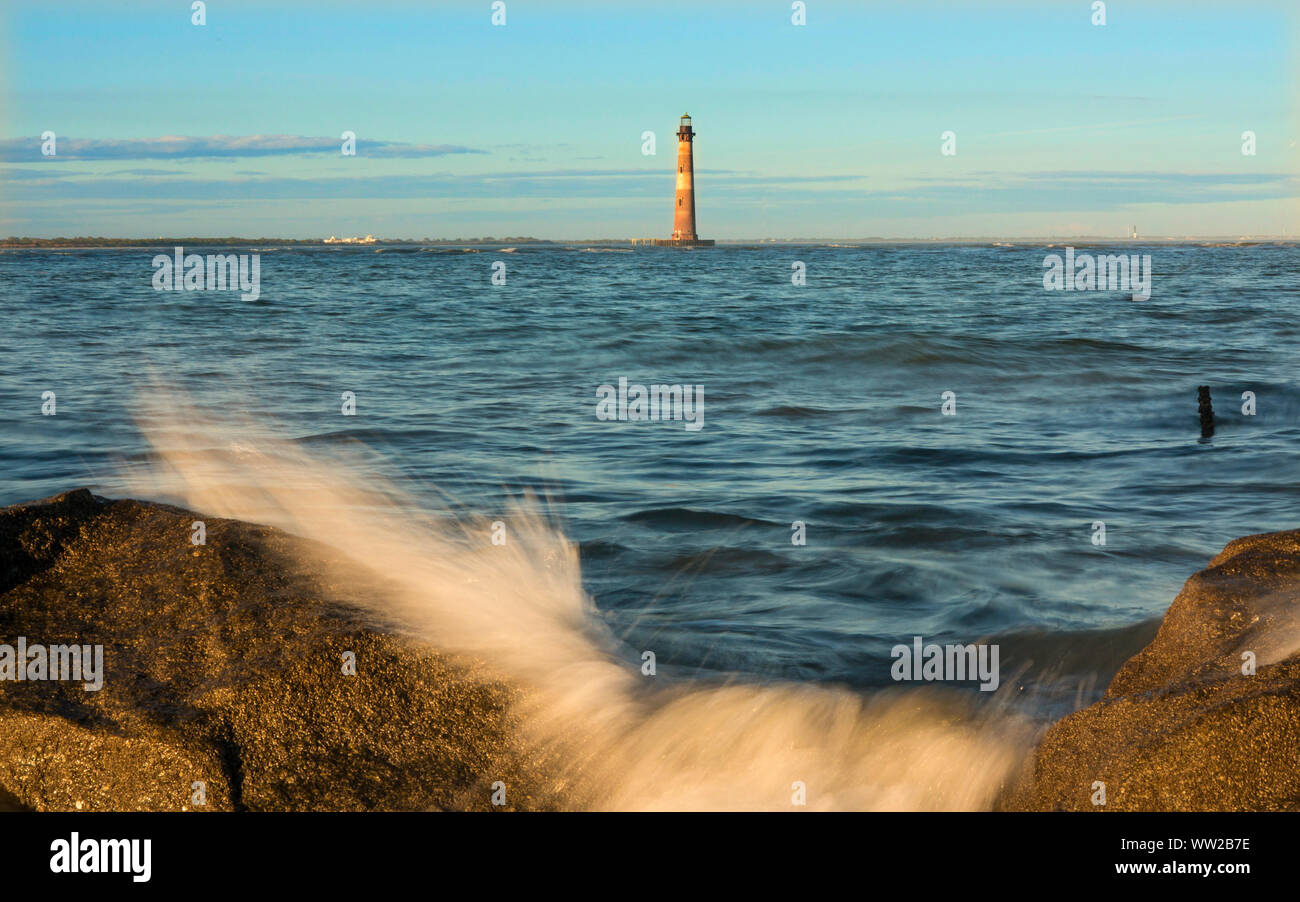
{"x": 831, "y": 129}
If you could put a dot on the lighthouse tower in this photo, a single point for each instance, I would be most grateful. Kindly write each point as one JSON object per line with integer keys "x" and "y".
{"x": 684, "y": 212}
{"x": 684, "y": 203}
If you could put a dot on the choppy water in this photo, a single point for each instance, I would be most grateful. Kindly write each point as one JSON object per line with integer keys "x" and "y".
{"x": 822, "y": 405}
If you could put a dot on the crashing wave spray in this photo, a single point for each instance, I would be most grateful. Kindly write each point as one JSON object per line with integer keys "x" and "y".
{"x": 620, "y": 739}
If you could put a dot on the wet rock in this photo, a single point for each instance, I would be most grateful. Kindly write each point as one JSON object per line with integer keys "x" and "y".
{"x": 1185, "y": 725}
{"x": 224, "y": 666}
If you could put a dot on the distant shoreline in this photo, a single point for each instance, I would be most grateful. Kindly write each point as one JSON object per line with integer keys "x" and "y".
{"x": 87, "y": 243}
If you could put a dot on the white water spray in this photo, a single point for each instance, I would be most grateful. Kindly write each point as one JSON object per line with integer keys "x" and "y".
{"x": 623, "y": 740}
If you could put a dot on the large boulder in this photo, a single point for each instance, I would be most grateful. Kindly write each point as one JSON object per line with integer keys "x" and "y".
{"x": 224, "y": 665}
{"x": 1185, "y": 725}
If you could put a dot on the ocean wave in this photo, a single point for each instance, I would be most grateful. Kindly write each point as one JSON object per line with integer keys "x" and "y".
{"x": 625, "y": 742}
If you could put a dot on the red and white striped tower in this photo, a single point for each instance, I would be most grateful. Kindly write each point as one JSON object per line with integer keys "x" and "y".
{"x": 684, "y": 213}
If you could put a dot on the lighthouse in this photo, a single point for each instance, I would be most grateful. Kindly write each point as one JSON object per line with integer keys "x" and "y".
{"x": 684, "y": 201}
{"x": 684, "y": 214}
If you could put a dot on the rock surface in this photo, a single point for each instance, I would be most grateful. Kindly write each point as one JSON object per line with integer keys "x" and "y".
{"x": 1182, "y": 727}
{"x": 223, "y": 664}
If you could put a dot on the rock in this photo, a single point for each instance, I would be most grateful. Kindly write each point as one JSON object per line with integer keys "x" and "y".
{"x": 1182, "y": 727}
{"x": 223, "y": 664}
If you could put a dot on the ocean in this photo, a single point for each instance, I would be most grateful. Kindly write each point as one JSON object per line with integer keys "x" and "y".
{"x": 826, "y": 510}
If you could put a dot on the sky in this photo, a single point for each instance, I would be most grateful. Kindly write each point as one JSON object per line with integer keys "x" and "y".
{"x": 831, "y": 129}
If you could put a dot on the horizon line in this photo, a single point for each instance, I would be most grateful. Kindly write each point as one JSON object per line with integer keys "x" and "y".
{"x": 12, "y": 241}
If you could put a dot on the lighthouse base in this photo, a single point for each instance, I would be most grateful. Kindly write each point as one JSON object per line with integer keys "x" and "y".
{"x": 673, "y": 242}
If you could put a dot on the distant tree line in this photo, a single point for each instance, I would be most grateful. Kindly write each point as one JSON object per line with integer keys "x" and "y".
{"x": 89, "y": 241}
